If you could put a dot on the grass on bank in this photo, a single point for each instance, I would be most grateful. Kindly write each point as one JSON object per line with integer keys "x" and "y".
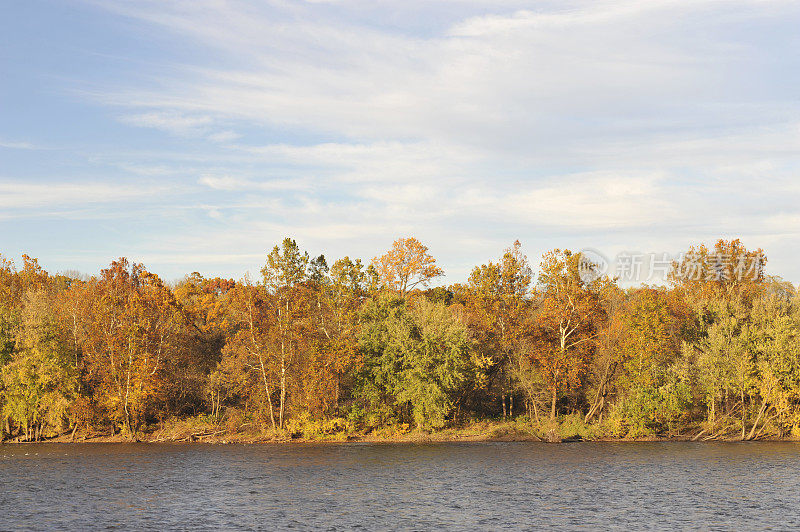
{"x": 238, "y": 426}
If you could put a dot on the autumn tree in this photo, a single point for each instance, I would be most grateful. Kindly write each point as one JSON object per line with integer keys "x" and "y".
{"x": 296, "y": 330}
{"x": 727, "y": 268}
{"x": 320, "y": 333}
{"x": 13, "y": 285}
{"x": 248, "y": 366}
{"x": 337, "y": 319}
{"x": 496, "y": 300}
{"x": 723, "y": 355}
{"x": 326, "y": 343}
{"x": 642, "y": 342}
{"x": 565, "y": 326}
{"x": 347, "y": 290}
{"x": 715, "y": 354}
{"x": 775, "y": 340}
{"x": 9, "y": 296}
{"x": 407, "y": 265}
{"x": 36, "y": 378}
{"x": 205, "y": 304}
{"x": 284, "y": 274}
{"x": 130, "y": 335}
{"x": 721, "y": 287}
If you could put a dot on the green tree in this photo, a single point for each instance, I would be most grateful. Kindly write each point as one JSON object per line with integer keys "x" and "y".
{"x": 416, "y": 355}
{"x": 652, "y": 391}
{"x": 725, "y": 358}
{"x": 39, "y": 379}
{"x": 775, "y": 333}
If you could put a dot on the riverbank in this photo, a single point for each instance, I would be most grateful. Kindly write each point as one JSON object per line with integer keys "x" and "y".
{"x": 197, "y": 430}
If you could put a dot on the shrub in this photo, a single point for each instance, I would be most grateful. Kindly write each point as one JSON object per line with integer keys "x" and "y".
{"x": 650, "y": 411}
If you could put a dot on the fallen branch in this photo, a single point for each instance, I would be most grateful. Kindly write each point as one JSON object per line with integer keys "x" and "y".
{"x": 209, "y": 434}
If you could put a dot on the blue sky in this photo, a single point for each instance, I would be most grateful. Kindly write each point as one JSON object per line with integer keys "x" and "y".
{"x": 195, "y": 135}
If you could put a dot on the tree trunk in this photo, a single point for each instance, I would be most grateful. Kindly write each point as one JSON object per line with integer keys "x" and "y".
{"x": 283, "y": 369}
{"x": 266, "y": 391}
{"x": 744, "y": 414}
{"x": 257, "y": 352}
{"x": 283, "y": 388}
{"x": 127, "y": 392}
{"x": 553, "y": 405}
{"x": 602, "y": 391}
{"x": 760, "y": 413}
{"x": 712, "y": 411}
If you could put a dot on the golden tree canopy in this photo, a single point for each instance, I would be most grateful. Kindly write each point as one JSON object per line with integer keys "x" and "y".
{"x": 406, "y": 265}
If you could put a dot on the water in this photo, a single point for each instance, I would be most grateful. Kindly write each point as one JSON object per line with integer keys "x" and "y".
{"x": 479, "y": 486}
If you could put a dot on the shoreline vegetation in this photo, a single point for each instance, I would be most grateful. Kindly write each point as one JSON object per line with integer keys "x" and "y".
{"x": 353, "y": 353}
{"x": 199, "y": 431}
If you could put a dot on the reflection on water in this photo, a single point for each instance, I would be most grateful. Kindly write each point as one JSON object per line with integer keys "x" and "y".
{"x": 403, "y": 486}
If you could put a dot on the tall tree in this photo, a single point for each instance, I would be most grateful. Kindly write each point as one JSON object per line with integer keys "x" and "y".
{"x": 250, "y": 363}
{"x": 39, "y": 379}
{"x": 641, "y": 344}
{"x": 728, "y": 267}
{"x": 284, "y": 276}
{"x": 566, "y": 321}
{"x": 497, "y": 298}
{"x": 407, "y": 265}
{"x": 417, "y": 355}
{"x": 205, "y": 303}
{"x": 130, "y": 335}
{"x": 775, "y": 336}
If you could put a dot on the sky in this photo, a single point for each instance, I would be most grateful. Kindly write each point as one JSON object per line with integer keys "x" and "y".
{"x": 195, "y": 135}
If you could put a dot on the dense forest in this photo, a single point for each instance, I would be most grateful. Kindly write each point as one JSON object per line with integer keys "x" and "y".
{"x": 317, "y": 350}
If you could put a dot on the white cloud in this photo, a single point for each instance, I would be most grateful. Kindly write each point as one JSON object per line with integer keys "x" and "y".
{"x": 170, "y": 121}
{"x": 21, "y": 195}
{"x": 17, "y": 145}
{"x": 491, "y": 79}
{"x": 632, "y": 124}
{"x": 224, "y": 136}
{"x": 230, "y": 183}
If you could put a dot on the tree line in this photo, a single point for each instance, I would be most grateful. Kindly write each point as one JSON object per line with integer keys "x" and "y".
{"x": 352, "y": 348}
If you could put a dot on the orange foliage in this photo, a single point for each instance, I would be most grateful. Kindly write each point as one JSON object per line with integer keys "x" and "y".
{"x": 566, "y": 323}
{"x": 406, "y": 265}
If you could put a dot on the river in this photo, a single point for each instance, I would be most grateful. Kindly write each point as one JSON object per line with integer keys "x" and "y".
{"x": 457, "y": 486}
